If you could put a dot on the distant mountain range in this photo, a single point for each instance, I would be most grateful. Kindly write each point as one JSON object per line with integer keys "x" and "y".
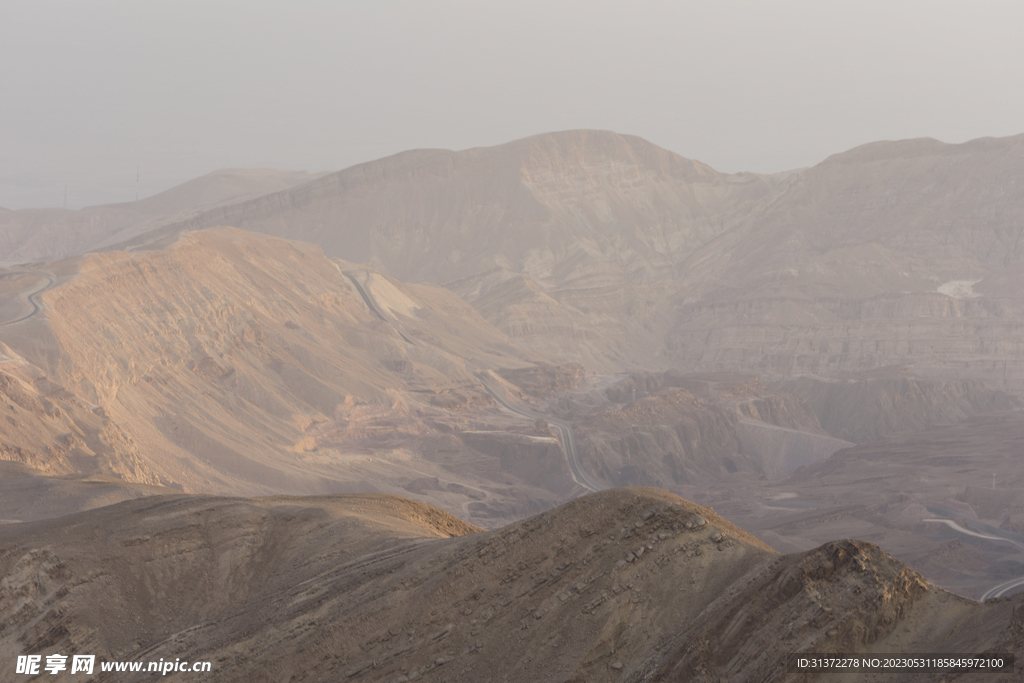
{"x": 728, "y": 337}
{"x": 607, "y": 250}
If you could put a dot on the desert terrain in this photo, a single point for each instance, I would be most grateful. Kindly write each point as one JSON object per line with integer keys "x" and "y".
{"x": 47, "y": 234}
{"x": 622, "y": 585}
{"x": 391, "y": 415}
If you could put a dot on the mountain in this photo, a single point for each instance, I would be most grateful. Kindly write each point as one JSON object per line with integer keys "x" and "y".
{"x": 283, "y": 457}
{"x": 606, "y": 250}
{"x": 563, "y": 241}
{"x": 239, "y": 364}
{"x": 912, "y": 493}
{"x": 892, "y": 254}
{"x": 630, "y": 584}
{"x": 866, "y": 408}
{"x": 603, "y": 249}
{"x": 44, "y": 234}
{"x": 592, "y": 311}
{"x": 543, "y": 206}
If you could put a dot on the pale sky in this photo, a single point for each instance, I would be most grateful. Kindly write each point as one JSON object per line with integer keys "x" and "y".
{"x": 91, "y": 90}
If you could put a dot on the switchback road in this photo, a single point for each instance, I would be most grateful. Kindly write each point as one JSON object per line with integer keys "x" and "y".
{"x": 564, "y": 430}
{"x": 373, "y": 307}
{"x": 1003, "y": 588}
{"x": 32, "y": 299}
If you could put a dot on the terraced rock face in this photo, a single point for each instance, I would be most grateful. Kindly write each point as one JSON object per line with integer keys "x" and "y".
{"x": 566, "y": 241}
{"x": 865, "y": 408}
{"x": 544, "y": 206}
{"x": 630, "y": 584}
{"x": 891, "y": 254}
{"x": 603, "y": 249}
{"x": 238, "y": 364}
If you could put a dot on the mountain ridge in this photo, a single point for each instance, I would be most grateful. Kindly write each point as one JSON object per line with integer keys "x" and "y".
{"x": 361, "y": 587}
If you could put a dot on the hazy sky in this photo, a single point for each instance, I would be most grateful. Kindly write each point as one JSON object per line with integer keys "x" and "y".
{"x": 91, "y": 90}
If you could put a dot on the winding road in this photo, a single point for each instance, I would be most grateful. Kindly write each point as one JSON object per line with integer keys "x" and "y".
{"x": 568, "y": 444}
{"x": 564, "y": 430}
{"x": 373, "y": 307}
{"x": 36, "y": 306}
{"x": 956, "y": 527}
{"x": 1001, "y": 589}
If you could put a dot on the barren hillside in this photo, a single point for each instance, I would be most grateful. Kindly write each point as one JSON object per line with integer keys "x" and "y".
{"x": 234, "y": 363}
{"x": 727, "y": 337}
{"x": 912, "y": 493}
{"x": 604, "y": 249}
{"x": 46, "y": 234}
{"x": 891, "y": 254}
{"x": 625, "y": 585}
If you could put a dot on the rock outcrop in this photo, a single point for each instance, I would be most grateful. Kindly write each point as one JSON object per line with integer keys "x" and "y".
{"x": 628, "y": 584}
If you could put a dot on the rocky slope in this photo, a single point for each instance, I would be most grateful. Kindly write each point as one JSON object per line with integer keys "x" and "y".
{"x": 911, "y": 493}
{"x": 674, "y": 429}
{"x": 625, "y": 585}
{"x": 892, "y": 254}
{"x": 234, "y": 363}
{"x": 865, "y": 408}
{"x": 572, "y": 206}
{"x": 603, "y": 249}
{"x": 563, "y": 241}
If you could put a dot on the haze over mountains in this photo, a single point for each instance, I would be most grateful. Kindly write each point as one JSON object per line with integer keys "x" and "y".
{"x": 607, "y": 250}
{"x": 42, "y": 234}
{"x": 829, "y": 353}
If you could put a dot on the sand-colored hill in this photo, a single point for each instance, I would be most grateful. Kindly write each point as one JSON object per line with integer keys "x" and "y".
{"x": 564, "y": 241}
{"x": 624, "y": 585}
{"x": 46, "y": 234}
{"x": 235, "y": 363}
{"x": 219, "y": 188}
{"x": 603, "y": 249}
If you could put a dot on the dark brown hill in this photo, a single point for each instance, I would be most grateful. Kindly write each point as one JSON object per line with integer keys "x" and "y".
{"x": 624, "y": 585}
